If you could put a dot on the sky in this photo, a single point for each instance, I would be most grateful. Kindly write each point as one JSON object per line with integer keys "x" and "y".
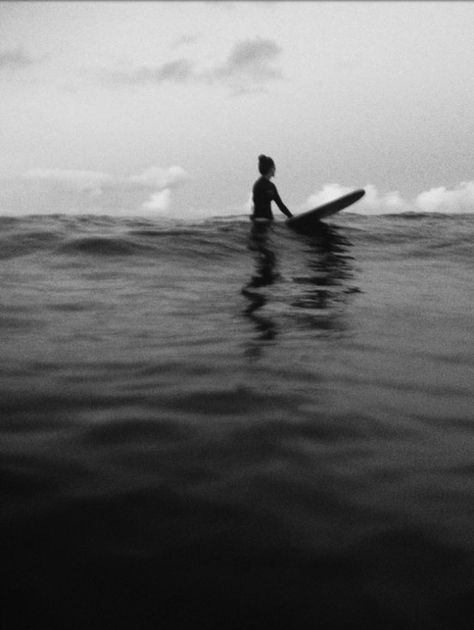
{"x": 162, "y": 108}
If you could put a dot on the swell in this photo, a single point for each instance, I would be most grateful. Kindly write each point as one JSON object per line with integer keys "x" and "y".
{"x": 89, "y": 237}
{"x": 404, "y": 235}
{"x": 413, "y": 235}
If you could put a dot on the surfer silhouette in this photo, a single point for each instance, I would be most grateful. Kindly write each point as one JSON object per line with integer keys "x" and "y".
{"x": 264, "y": 192}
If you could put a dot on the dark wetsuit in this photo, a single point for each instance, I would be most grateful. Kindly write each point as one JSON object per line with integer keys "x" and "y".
{"x": 263, "y": 193}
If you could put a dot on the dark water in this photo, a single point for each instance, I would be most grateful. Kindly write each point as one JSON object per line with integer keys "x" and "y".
{"x": 205, "y": 426}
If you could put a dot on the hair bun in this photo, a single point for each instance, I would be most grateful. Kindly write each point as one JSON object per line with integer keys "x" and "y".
{"x": 265, "y": 163}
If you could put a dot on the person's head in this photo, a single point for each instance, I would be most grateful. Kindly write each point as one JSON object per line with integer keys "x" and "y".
{"x": 266, "y": 166}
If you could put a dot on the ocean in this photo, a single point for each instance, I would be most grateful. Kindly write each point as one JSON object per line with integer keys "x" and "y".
{"x": 205, "y": 424}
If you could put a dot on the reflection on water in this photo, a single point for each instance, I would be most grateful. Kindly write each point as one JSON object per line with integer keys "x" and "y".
{"x": 265, "y": 275}
{"x": 325, "y": 288}
{"x": 319, "y": 291}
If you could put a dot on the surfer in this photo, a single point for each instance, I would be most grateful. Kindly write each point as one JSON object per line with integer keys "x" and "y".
{"x": 264, "y": 192}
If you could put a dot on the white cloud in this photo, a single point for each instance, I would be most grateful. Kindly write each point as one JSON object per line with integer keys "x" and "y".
{"x": 326, "y": 194}
{"x": 158, "y": 201}
{"x": 375, "y": 202}
{"x": 93, "y": 181}
{"x": 83, "y": 181}
{"x": 156, "y": 177}
{"x": 457, "y": 200}
{"x": 43, "y": 190}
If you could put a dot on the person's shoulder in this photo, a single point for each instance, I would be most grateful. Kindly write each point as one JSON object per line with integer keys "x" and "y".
{"x": 271, "y": 186}
{"x": 265, "y": 182}
{"x": 264, "y": 185}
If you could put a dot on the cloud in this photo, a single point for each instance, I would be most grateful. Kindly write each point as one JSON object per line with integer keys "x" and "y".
{"x": 158, "y": 201}
{"x": 326, "y": 194}
{"x": 373, "y": 201}
{"x": 178, "y": 71}
{"x": 82, "y": 181}
{"x": 15, "y": 59}
{"x": 156, "y": 177}
{"x": 251, "y": 60}
{"x": 250, "y": 65}
{"x": 61, "y": 190}
{"x": 457, "y": 200}
{"x": 46, "y": 191}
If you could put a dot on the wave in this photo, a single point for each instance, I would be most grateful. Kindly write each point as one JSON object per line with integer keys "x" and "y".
{"x": 211, "y": 240}
{"x": 99, "y": 246}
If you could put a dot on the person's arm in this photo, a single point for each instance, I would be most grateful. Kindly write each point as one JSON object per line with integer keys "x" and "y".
{"x": 280, "y": 204}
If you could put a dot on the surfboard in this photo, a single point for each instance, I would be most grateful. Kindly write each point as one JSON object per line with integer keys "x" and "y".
{"x": 312, "y": 217}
